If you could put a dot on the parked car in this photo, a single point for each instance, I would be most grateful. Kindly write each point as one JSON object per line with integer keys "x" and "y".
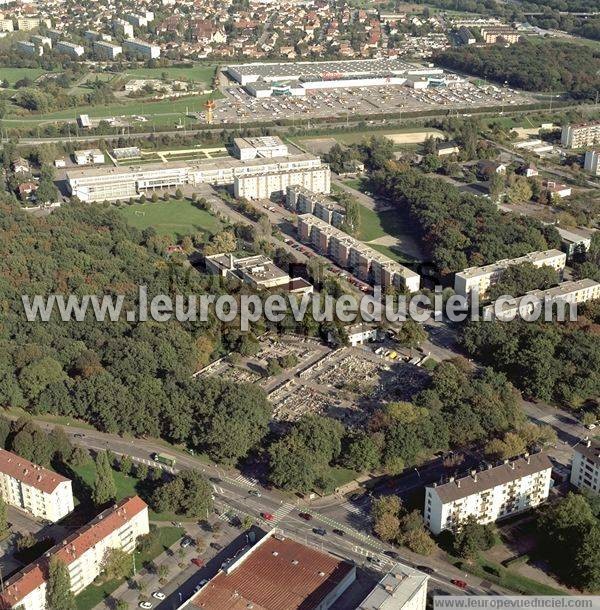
{"x": 215, "y": 480}
{"x": 426, "y": 569}
{"x": 216, "y": 546}
{"x": 459, "y": 583}
{"x": 186, "y": 542}
{"x": 392, "y": 554}
{"x": 305, "y": 516}
{"x": 145, "y": 605}
{"x": 198, "y": 561}
{"x": 255, "y": 492}
{"x": 320, "y": 531}
{"x": 159, "y": 595}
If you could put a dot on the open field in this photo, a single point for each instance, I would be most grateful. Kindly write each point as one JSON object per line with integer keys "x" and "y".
{"x": 12, "y": 75}
{"x": 414, "y": 137}
{"x": 199, "y": 73}
{"x": 175, "y": 218}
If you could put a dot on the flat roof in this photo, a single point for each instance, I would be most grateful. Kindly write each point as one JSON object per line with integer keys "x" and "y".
{"x": 492, "y": 477}
{"x": 395, "y": 589}
{"x": 277, "y": 574}
{"x": 532, "y": 257}
{"x": 589, "y": 449}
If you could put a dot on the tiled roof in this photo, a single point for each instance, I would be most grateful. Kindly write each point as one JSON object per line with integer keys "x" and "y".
{"x": 31, "y": 474}
{"x": 590, "y": 449}
{"x": 280, "y": 574}
{"x": 70, "y": 549}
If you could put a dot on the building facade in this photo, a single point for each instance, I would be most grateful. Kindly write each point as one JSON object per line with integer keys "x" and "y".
{"x": 479, "y": 279}
{"x": 265, "y": 147}
{"x": 106, "y": 50}
{"x": 69, "y": 48}
{"x": 578, "y": 136}
{"x": 268, "y": 184}
{"x": 83, "y": 554}
{"x": 591, "y": 162}
{"x": 34, "y": 489}
{"x": 488, "y": 495}
{"x": 139, "y": 48}
{"x": 304, "y": 201}
{"x": 400, "y": 589}
{"x": 585, "y": 471}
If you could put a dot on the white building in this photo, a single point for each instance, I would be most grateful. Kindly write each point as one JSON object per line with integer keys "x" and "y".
{"x": 566, "y": 295}
{"x": 359, "y": 334}
{"x": 69, "y": 48}
{"x": 578, "y": 136}
{"x": 120, "y": 26}
{"x": 93, "y": 156}
{"x": 591, "y": 163}
{"x": 7, "y": 25}
{"x": 304, "y": 201}
{"x": 139, "y": 48}
{"x": 585, "y": 471}
{"x": 34, "y": 489}
{"x": 574, "y": 240}
{"x": 29, "y": 48}
{"x": 42, "y": 41}
{"x": 138, "y": 21}
{"x": 106, "y": 50}
{"x": 402, "y": 588}
{"x": 479, "y": 279}
{"x": 490, "y": 494}
{"x": 264, "y": 146}
{"x": 263, "y": 186}
{"x": 83, "y": 553}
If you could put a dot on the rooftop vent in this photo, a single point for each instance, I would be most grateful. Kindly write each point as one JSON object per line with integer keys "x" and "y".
{"x": 275, "y": 553}
{"x": 295, "y": 562}
{"x": 321, "y": 573}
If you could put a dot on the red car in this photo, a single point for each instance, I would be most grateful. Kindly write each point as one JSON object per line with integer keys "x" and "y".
{"x": 459, "y": 583}
{"x": 198, "y": 561}
{"x": 267, "y": 516}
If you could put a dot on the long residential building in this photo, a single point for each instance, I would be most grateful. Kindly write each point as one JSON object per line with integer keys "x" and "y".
{"x": 578, "y": 136}
{"x": 304, "y": 201}
{"x": 83, "y": 553}
{"x": 402, "y": 588}
{"x": 106, "y": 50}
{"x": 591, "y": 162}
{"x": 568, "y": 294}
{"x": 113, "y": 183}
{"x": 316, "y": 178}
{"x": 69, "y": 48}
{"x": 479, "y": 279}
{"x": 585, "y": 471}
{"x": 34, "y": 489}
{"x": 488, "y": 495}
{"x": 139, "y": 48}
{"x": 365, "y": 262}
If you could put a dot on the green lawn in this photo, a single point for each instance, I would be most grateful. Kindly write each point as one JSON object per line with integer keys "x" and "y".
{"x": 377, "y": 224}
{"x": 12, "y": 75}
{"x": 199, "y": 73}
{"x": 175, "y": 218}
{"x": 166, "y": 537}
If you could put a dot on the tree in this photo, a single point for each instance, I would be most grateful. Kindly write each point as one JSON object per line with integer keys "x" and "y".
{"x": 126, "y": 464}
{"x": 104, "y": 489}
{"x": 79, "y": 457}
{"x": 116, "y": 564}
{"x": 520, "y": 191}
{"x": 411, "y": 334}
{"x": 386, "y": 511}
{"x": 188, "y": 493}
{"x": 58, "y": 586}
{"x": 362, "y": 454}
{"x": 473, "y": 537}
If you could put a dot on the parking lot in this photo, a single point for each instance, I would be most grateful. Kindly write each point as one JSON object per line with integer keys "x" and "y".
{"x": 238, "y": 106}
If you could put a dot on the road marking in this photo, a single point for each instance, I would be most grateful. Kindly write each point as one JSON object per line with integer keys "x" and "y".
{"x": 283, "y": 511}
{"x": 245, "y": 480}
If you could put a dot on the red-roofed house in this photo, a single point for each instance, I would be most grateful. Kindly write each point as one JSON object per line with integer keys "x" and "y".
{"x": 39, "y": 491}
{"x": 83, "y": 552}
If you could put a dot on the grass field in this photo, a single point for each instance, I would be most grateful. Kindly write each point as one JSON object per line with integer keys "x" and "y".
{"x": 199, "y": 73}
{"x": 378, "y": 224}
{"x": 91, "y": 596}
{"x": 354, "y": 137}
{"x": 175, "y": 218}
{"x": 12, "y": 75}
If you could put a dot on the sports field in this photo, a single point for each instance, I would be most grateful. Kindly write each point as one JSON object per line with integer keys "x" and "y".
{"x": 175, "y": 218}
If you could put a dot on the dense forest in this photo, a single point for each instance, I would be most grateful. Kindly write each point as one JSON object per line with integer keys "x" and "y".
{"x": 461, "y": 230}
{"x": 540, "y": 65}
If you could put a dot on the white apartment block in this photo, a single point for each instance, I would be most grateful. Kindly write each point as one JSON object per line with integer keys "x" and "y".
{"x": 36, "y": 490}
{"x": 578, "y": 136}
{"x": 112, "y": 183}
{"x": 83, "y": 552}
{"x": 266, "y": 147}
{"x": 26, "y": 24}
{"x": 591, "y": 162}
{"x": 120, "y": 26}
{"x": 479, "y": 279}
{"x": 264, "y": 186}
{"x": 138, "y": 21}
{"x": 365, "y": 262}
{"x": 106, "y": 50}
{"x": 42, "y": 41}
{"x": 402, "y": 588}
{"x": 303, "y": 201}
{"x": 564, "y": 296}
{"x": 69, "y": 48}
{"x": 488, "y": 495}
{"x": 585, "y": 470}
{"x": 29, "y": 48}
{"x": 7, "y": 25}
{"x": 139, "y": 48}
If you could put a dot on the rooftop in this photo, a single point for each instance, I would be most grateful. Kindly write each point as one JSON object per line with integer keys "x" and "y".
{"x": 275, "y": 574}
{"x": 532, "y": 257}
{"x": 31, "y": 474}
{"x": 590, "y": 449}
{"x": 395, "y": 589}
{"x": 492, "y": 477}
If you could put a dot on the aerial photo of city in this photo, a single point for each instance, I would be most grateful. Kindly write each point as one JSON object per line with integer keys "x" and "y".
{"x": 299, "y": 304}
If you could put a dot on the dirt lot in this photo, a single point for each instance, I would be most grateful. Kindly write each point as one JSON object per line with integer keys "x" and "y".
{"x": 416, "y": 137}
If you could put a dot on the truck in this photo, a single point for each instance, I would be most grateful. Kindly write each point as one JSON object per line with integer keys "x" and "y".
{"x": 164, "y": 458}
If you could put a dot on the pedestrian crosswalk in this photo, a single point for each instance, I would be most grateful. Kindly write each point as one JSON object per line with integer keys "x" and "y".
{"x": 250, "y": 482}
{"x": 352, "y": 508}
{"x": 283, "y": 511}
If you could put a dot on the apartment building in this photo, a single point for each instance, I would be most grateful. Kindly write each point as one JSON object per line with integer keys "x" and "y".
{"x": 83, "y": 552}
{"x": 111, "y": 183}
{"x": 365, "y": 262}
{"x": 266, "y": 147}
{"x": 578, "y": 136}
{"x": 34, "y": 489}
{"x": 69, "y": 48}
{"x": 303, "y": 201}
{"x": 402, "y": 588}
{"x": 479, "y": 279}
{"x": 41, "y": 41}
{"x": 6, "y": 25}
{"x": 24, "y": 46}
{"x": 585, "y": 470}
{"x": 139, "y": 48}
{"x": 270, "y": 183}
{"x": 488, "y": 495}
{"x": 106, "y": 50}
{"x": 120, "y": 26}
{"x": 26, "y": 24}
{"x": 492, "y": 35}
{"x": 575, "y": 240}
{"x": 567, "y": 294}
{"x": 591, "y": 162}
